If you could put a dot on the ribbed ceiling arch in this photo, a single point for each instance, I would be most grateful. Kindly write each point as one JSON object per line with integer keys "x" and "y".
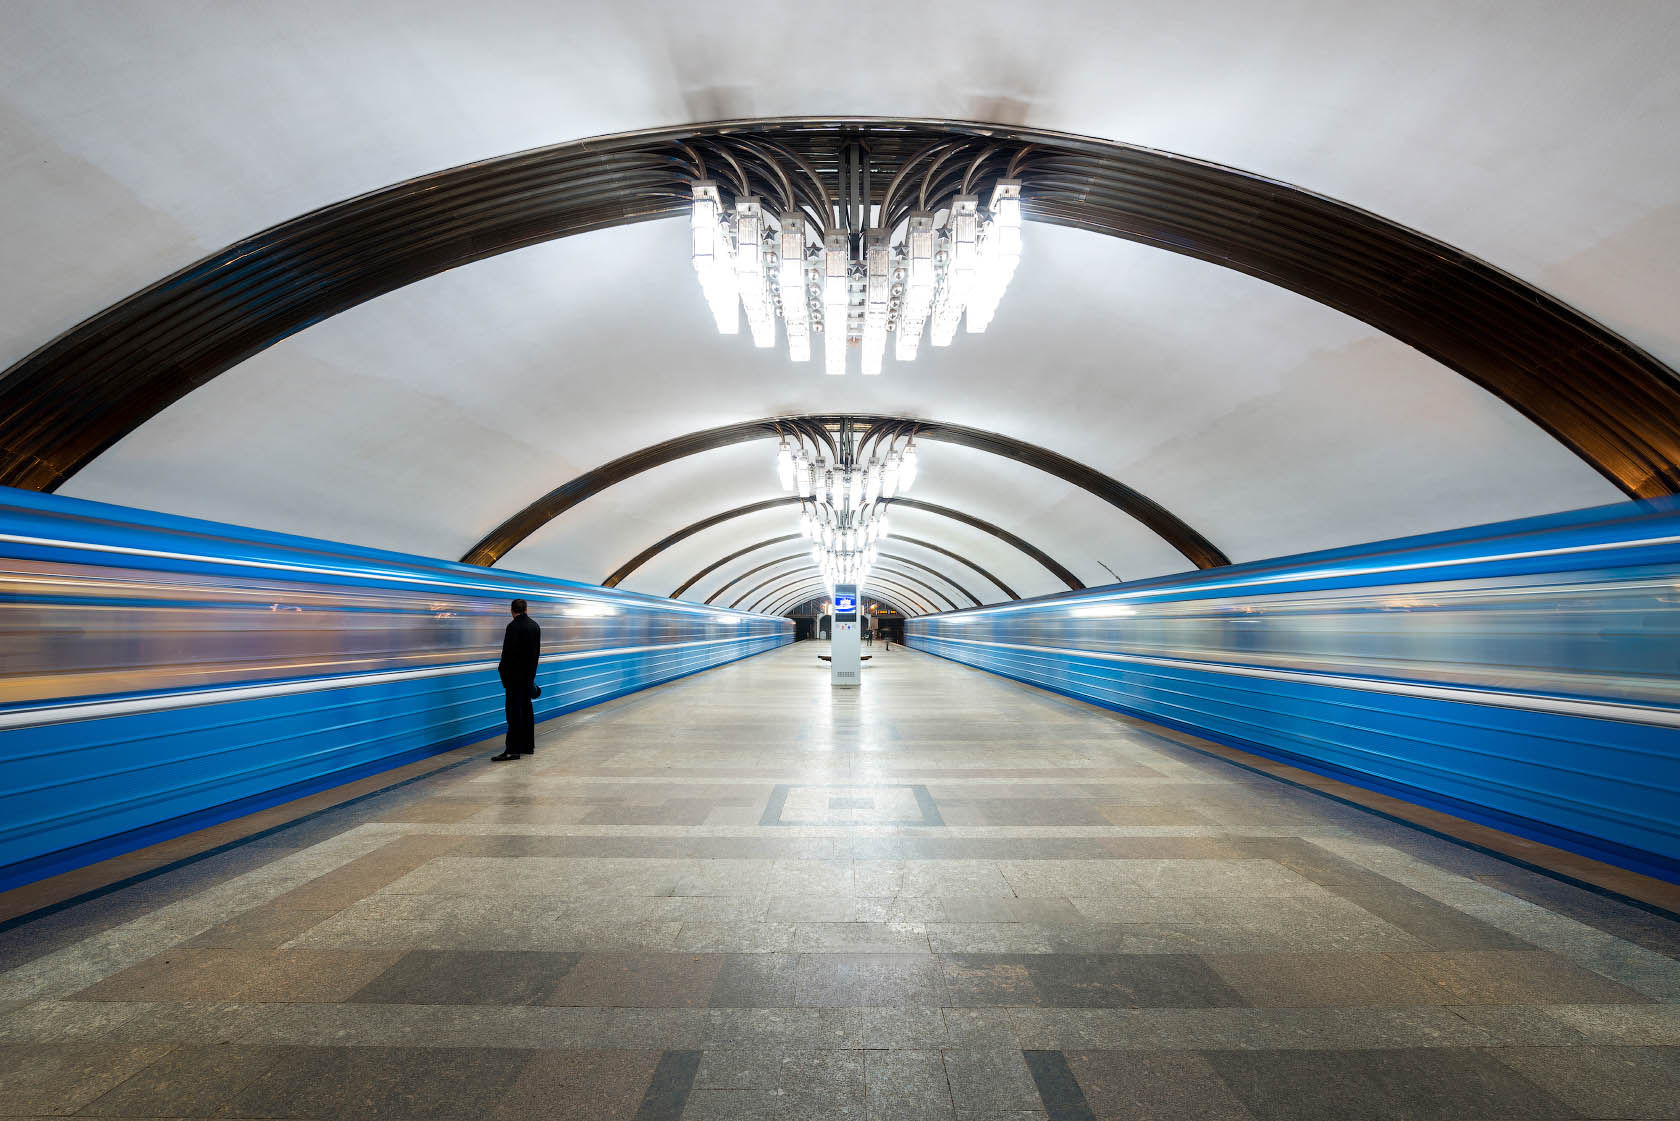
{"x": 1057, "y": 569}
{"x": 516, "y": 528}
{"x": 1613, "y": 404}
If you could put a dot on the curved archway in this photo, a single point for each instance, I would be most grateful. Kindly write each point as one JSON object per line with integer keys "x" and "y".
{"x": 1613, "y": 404}
{"x": 713, "y": 598}
{"x": 800, "y": 595}
{"x": 736, "y": 555}
{"x": 816, "y": 581}
{"x": 1059, "y": 571}
{"x": 787, "y": 605}
{"x": 932, "y": 595}
{"x": 494, "y": 545}
{"x": 768, "y": 541}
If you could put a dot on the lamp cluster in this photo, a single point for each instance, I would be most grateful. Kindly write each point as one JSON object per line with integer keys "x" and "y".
{"x": 855, "y": 286}
{"x": 842, "y": 509}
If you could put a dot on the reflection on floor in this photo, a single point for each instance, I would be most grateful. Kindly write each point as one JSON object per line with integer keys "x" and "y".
{"x": 743, "y": 896}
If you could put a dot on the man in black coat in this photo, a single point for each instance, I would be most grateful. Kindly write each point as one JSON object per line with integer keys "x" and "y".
{"x": 521, "y": 647}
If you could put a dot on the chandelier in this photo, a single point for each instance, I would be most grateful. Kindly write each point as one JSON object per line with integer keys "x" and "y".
{"x": 850, "y": 264}
{"x": 843, "y": 504}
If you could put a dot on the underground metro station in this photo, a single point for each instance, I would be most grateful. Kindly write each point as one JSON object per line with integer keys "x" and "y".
{"x": 1081, "y": 562}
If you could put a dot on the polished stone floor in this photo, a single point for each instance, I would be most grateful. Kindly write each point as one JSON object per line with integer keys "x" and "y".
{"x": 745, "y": 896}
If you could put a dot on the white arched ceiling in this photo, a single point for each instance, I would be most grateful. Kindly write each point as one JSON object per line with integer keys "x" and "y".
{"x": 139, "y": 137}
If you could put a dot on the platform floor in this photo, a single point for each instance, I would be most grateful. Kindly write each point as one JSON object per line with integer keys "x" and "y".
{"x": 744, "y": 896}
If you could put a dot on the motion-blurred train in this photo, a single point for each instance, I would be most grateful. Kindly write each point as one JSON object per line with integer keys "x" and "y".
{"x": 1526, "y": 674}
{"x": 159, "y": 673}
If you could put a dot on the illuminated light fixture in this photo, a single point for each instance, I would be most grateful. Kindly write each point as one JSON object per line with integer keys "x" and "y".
{"x": 790, "y": 276}
{"x": 857, "y": 259}
{"x": 907, "y": 468}
{"x": 785, "y": 466}
{"x": 713, "y": 259}
{"x": 1000, "y": 253}
{"x": 836, "y": 296}
{"x": 962, "y": 248}
{"x": 871, "y": 483}
{"x": 752, "y": 278}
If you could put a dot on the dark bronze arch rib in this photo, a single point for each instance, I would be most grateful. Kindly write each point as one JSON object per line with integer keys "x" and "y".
{"x": 768, "y": 580}
{"x": 690, "y": 530}
{"x": 900, "y": 558}
{"x": 1001, "y": 534}
{"x": 1609, "y": 401}
{"x": 736, "y": 555}
{"x": 816, "y": 583}
{"x": 1005, "y": 588}
{"x": 1196, "y": 548}
{"x": 797, "y": 598}
{"x": 751, "y": 572}
{"x": 880, "y": 572}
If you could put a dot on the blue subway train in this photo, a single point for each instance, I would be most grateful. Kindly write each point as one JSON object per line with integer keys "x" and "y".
{"x": 158, "y": 673}
{"x": 1525, "y": 675}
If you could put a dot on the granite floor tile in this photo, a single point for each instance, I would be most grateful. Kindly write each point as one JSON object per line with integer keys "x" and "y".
{"x": 988, "y": 980}
{"x": 61, "y": 1078}
{"x": 1128, "y": 981}
{"x": 756, "y": 981}
{"x": 639, "y": 981}
{"x": 1346, "y": 980}
{"x": 500, "y": 977}
{"x": 578, "y": 1085}
{"x": 993, "y": 1079}
{"x": 758, "y": 1068}
{"x": 1437, "y": 1085}
{"x": 295, "y": 976}
{"x": 869, "y": 981}
{"x": 190, "y": 1082}
{"x": 382, "y": 1082}
{"x": 907, "y": 1085}
{"x": 1153, "y": 1086}
{"x": 1623, "y": 1082}
{"x": 1516, "y": 977}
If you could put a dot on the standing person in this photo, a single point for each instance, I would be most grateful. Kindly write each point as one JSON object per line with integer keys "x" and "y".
{"x": 521, "y": 647}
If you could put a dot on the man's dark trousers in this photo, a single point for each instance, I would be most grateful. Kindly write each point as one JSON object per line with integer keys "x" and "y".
{"x": 521, "y": 722}
{"x": 521, "y": 649}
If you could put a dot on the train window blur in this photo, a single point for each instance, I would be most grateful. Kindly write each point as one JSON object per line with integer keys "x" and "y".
{"x": 73, "y": 630}
{"x": 1610, "y": 634}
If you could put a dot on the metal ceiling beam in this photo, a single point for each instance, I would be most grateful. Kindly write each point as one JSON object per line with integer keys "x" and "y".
{"x": 736, "y": 555}
{"x": 940, "y": 549}
{"x": 1155, "y": 517}
{"x": 1610, "y": 402}
{"x": 780, "y": 597}
{"x": 884, "y": 555}
{"x": 687, "y": 531}
{"x": 790, "y": 578}
{"x": 804, "y": 597}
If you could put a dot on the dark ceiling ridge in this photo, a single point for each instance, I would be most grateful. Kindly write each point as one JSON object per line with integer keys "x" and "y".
{"x": 819, "y": 591}
{"x": 934, "y": 594}
{"x": 496, "y": 544}
{"x": 779, "y": 595}
{"x": 721, "y": 561}
{"x": 806, "y": 564}
{"x": 884, "y": 555}
{"x": 739, "y": 553}
{"x": 1609, "y": 401}
{"x": 940, "y": 549}
{"x": 1056, "y": 569}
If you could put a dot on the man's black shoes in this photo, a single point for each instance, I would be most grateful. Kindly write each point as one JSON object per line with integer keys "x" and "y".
{"x": 504, "y": 757}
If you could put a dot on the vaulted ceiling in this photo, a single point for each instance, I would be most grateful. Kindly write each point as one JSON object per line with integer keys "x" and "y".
{"x": 1533, "y": 140}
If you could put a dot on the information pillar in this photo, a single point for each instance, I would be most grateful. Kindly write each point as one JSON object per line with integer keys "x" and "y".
{"x": 845, "y": 670}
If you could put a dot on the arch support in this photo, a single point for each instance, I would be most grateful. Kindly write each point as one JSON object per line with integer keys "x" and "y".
{"x": 1610, "y": 402}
